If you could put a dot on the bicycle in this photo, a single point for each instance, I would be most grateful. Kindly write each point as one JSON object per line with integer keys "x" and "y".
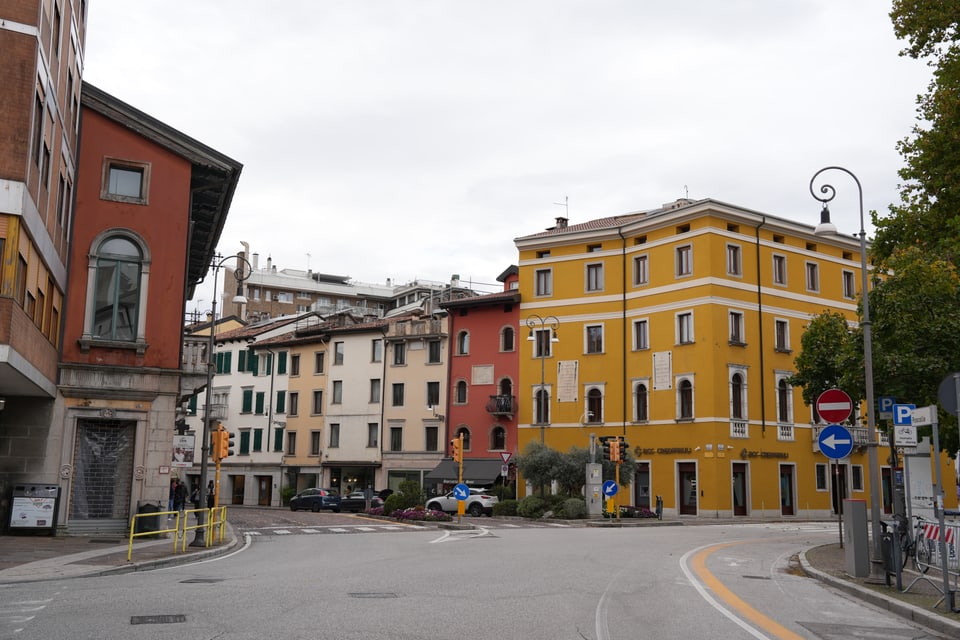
{"x": 914, "y": 547}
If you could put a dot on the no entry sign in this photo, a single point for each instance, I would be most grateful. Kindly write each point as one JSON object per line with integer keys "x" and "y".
{"x": 834, "y": 406}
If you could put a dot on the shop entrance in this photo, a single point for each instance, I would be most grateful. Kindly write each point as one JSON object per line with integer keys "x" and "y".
{"x": 786, "y": 490}
{"x": 237, "y": 482}
{"x": 264, "y": 490}
{"x": 739, "y": 489}
{"x": 687, "y": 489}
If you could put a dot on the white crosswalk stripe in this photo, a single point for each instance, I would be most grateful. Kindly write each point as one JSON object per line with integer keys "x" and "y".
{"x": 282, "y": 532}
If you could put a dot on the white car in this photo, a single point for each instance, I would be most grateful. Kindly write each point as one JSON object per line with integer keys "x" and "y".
{"x": 480, "y": 502}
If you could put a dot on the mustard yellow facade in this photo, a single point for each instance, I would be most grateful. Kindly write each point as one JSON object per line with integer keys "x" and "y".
{"x": 677, "y": 328}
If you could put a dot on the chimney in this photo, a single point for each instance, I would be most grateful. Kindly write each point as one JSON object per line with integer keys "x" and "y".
{"x": 256, "y": 261}
{"x": 561, "y": 223}
{"x": 269, "y": 262}
{"x": 455, "y": 280}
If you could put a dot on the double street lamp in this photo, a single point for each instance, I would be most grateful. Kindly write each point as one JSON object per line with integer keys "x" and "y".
{"x": 826, "y": 228}
{"x": 240, "y": 274}
{"x": 543, "y": 333}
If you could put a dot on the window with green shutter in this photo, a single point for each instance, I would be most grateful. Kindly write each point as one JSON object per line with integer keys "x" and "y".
{"x": 278, "y": 439}
{"x": 282, "y": 363}
{"x": 281, "y": 402}
{"x": 253, "y": 363}
{"x": 259, "y": 406}
{"x": 242, "y": 366}
{"x": 245, "y": 442}
{"x": 258, "y": 439}
{"x": 227, "y": 357}
{"x": 247, "y": 401}
{"x": 193, "y": 405}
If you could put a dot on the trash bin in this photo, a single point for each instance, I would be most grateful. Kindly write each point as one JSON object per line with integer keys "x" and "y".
{"x": 147, "y": 523}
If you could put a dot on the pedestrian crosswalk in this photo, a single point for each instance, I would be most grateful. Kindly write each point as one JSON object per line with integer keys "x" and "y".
{"x": 287, "y": 530}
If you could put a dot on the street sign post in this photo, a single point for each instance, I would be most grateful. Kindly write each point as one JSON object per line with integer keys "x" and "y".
{"x": 835, "y": 442}
{"x": 834, "y": 406}
{"x": 610, "y": 488}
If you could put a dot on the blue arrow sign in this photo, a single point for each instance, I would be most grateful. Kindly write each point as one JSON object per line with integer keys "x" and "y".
{"x": 835, "y": 441}
{"x": 610, "y": 488}
{"x": 461, "y": 492}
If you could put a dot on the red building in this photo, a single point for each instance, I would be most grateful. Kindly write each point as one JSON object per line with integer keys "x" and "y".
{"x": 150, "y": 205}
{"x": 484, "y": 366}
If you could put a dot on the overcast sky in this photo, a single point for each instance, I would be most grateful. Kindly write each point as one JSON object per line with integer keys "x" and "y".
{"x": 416, "y": 139}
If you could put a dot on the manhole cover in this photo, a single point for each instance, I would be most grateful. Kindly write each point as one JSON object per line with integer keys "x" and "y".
{"x": 372, "y": 595}
{"x": 158, "y": 619}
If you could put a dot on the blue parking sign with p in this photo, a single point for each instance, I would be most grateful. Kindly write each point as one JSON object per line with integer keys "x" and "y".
{"x": 885, "y": 407}
{"x": 903, "y": 414}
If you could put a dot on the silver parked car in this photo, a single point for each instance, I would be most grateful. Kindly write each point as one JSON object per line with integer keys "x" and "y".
{"x": 480, "y": 502}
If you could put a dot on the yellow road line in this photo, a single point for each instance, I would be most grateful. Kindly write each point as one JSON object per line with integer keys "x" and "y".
{"x": 699, "y": 565}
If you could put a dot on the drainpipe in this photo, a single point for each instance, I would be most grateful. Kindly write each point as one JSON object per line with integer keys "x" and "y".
{"x": 623, "y": 325}
{"x": 763, "y": 376}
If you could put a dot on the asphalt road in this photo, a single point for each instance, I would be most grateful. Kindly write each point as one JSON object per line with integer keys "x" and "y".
{"x": 720, "y": 582}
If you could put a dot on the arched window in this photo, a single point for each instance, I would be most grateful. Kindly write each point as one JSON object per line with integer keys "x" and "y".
{"x": 506, "y": 387}
{"x": 594, "y": 405}
{"x": 685, "y": 393}
{"x": 736, "y": 396}
{"x": 117, "y": 293}
{"x": 507, "y": 339}
{"x": 498, "y": 438}
{"x": 541, "y": 407}
{"x": 783, "y": 402}
{"x": 641, "y": 399}
{"x": 461, "y": 392}
{"x": 463, "y": 343}
{"x": 466, "y": 437}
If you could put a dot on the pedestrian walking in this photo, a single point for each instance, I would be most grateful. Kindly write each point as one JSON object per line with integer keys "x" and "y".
{"x": 211, "y": 495}
{"x": 180, "y": 496}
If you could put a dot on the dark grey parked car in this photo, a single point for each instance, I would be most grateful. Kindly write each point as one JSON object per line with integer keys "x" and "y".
{"x": 357, "y": 502}
{"x": 316, "y": 499}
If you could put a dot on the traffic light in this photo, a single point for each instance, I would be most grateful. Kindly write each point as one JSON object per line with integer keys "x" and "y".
{"x": 615, "y": 450}
{"x": 229, "y": 446}
{"x": 216, "y": 444}
{"x": 457, "y": 450}
{"x": 623, "y": 449}
{"x": 605, "y": 442}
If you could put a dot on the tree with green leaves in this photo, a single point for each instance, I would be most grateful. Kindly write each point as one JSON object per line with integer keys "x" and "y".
{"x": 829, "y": 358}
{"x": 541, "y": 465}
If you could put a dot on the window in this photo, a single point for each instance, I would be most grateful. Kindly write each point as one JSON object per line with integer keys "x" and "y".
{"x": 460, "y": 392}
{"x": 736, "y": 328}
{"x": 258, "y": 439}
{"x": 396, "y": 438}
{"x": 374, "y": 390}
{"x": 21, "y": 283}
{"x": 684, "y": 259}
{"x": 318, "y": 359}
{"x": 258, "y": 406}
{"x": 433, "y": 394}
{"x": 291, "y": 443}
{"x": 117, "y": 290}
{"x": 398, "y": 394}
{"x": 463, "y": 431}
{"x": 282, "y": 363}
{"x": 247, "y": 401}
{"x": 125, "y": 181}
{"x": 498, "y": 439}
{"x": 641, "y": 273}
{"x": 507, "y": 339}
{"x": 685, "y": 328}
{"x": 376, "y": 350}
{"x": 334, "y": 435}
{"x": 463, "y": 343}
{"x": 813, "y": 277}
{"x": 399, "y": 353}
{"x": 433, "y": 352}
{"x": 337, "y": 353}
{"x": 641, "y": 335}
{"x": 784, "y": 408}
{"x": 543, "y": 343}
{"x": 244, "y": 442}
{"x": 779, "y": 270}
{"x": 337, "y": 392}
{"x": 856, "y": 472}
{"x": 781, "y": 335}
{"x": 543, "y": 254}
{"x": 294, "y": 404}
{"x": 641, "y": 401}
{"x": 432, "y": 438}
{"x": 849, "y": 291}
{"x": 541, "y": 407}
{"x": 543, "y": 282}
{"x": 595, "y": 405}
{"x": 295, "y": 364}
{"x": 594, "y": 277}
{"x": 734, "y": 266}
{"x": 317, "y": 408}
{"x": 314, "y": 443}
{"x": 594, "y": 248}
{"x": 685, "y": 399}
{"x": 737, "y": 396}
{"x": 821, "y": 476}
{"x": 594, "y": 338}
{"x": 373, "y": 429}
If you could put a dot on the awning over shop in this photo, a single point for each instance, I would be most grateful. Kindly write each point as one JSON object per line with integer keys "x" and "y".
{"x": 475, "y": 472}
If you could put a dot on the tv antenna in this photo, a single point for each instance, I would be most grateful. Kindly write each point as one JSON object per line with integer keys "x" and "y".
{"x": 566, "y": 205}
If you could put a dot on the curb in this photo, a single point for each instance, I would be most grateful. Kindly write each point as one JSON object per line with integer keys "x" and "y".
{"x": 906, "y": 610}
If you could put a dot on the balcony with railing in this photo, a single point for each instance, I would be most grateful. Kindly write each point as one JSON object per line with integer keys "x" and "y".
{"x": 785, "y": 432}
{"x": 860, "y": 435}
{"x": 739, "y": 429}
{"x": 502, "y": 405}
{"x": 417, "y": 328}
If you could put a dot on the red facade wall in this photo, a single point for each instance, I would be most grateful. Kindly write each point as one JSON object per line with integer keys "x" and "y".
{"x": 163, "y": 223}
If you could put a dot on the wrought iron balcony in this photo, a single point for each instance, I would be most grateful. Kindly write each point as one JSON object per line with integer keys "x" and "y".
{"x": 502, "y": 405}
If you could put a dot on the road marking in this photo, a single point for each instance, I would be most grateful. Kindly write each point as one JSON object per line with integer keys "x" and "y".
{"x": 253, "y": 533}
{"x": 701, "y": 579}
{"x": 338, "y": 530}
{"x": 556, "y": 524}
{"x": 282, "y": 532}
{"x": 309, "y": 531}
{"x": 365, "y": 529}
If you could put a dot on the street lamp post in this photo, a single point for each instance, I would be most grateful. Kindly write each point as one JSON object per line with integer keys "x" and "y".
{"x": 827, "y": 228}
{"x": 538, "y": 325}
{"x": 240, "y": 274}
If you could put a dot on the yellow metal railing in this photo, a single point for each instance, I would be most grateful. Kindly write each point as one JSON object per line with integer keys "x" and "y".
{"x": 214, "y": 525}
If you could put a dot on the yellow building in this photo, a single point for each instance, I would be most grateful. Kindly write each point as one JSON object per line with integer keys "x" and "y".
{"x": 677, "y": 329}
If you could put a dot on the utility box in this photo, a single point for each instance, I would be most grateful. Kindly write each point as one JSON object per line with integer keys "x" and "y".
{"x": 856, "y": 542}
{"x": 34, "y": 506}
{"x": 594, "y": 490}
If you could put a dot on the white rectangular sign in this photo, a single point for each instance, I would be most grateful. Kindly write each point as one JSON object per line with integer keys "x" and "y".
{"x": 905, "y": 435}
{"x": 924, "y": 416}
